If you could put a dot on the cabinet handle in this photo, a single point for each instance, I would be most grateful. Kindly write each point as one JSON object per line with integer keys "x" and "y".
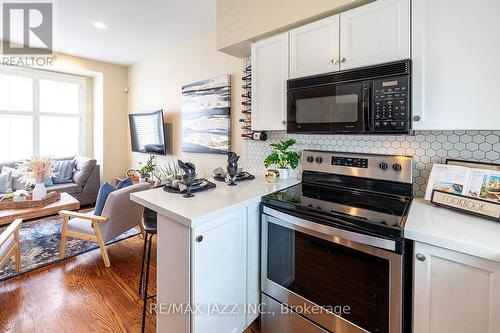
{"x": 416, "y": 118}
{"x": 199, "y": 238}
{"x": 342, "y": 59}
{"x": 420, "y": 257}
{"x": 284, "y": 122}
{"x": 333, "y": 61}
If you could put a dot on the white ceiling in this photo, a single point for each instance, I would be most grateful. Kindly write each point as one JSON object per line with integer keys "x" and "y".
{"x": 135, "y": 28}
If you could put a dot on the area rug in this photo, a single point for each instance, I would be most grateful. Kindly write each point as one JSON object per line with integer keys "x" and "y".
{"x": 40, "y": 241}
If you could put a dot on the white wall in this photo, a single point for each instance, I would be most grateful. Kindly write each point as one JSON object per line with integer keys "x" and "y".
{"x": 156, "y": 81}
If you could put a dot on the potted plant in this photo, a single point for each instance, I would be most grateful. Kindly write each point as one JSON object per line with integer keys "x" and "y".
{"x": 283, "y": 158}
{"x": 34, "y": 172}
{"x": 146, "y": 169}
{"x": 20, "y": 195}
{"x": 170, "y": 174}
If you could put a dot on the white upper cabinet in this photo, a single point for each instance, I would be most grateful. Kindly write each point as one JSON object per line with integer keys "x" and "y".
{"x": 454, "y": 292}
{"x": 269, "y": 76}
{"x": 314, "y": 48}
{"x": 455, "y": 64}
{"x": 375, "y": 33}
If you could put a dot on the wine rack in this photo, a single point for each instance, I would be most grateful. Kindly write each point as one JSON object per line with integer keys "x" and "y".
{"x": 246, "y": 104}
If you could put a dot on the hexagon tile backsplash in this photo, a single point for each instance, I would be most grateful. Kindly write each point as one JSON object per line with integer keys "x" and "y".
{"x": 426, "y": 147}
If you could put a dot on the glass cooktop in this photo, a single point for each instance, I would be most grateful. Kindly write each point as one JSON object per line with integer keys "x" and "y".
{"x": 361, "y": 210}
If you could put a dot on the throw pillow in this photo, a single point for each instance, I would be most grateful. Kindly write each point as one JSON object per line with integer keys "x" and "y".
{"x": 124, "y": 183}
{"x": 6, "y": 182}
{"x": 84, "y": 167}
{"x": 48, "y": 181}
{"x": 105, "y": 190}
{"x": 16, "y": 178}
{"x": 63, "y": 171}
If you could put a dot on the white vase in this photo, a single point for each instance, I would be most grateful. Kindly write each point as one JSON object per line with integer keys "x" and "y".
{"x": 39, "y": 192}
{"x": 284, "y": 173}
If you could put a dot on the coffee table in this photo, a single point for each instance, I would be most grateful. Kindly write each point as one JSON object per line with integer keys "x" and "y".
{"x": 67, "y": 202}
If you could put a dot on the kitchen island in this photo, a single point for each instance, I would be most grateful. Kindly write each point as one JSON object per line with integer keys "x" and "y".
{"x": 208, "y": 256}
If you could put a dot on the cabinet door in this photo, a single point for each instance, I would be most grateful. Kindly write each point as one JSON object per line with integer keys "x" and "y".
{"x": 218, "y": 280}
{"x": 269, "y": 76}
{"x": 314, "y": 48}
{"x": 455, "y": 65}
{"x": 375, "y": 33}
{"x": 455, "y": 292}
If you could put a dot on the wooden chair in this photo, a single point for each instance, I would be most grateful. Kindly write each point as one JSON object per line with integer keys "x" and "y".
{"x": 9, "y": 244}
{"x": 119, "y": 215}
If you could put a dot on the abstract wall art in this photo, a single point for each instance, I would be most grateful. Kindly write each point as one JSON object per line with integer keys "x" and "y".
{"x": 206, "y": 122}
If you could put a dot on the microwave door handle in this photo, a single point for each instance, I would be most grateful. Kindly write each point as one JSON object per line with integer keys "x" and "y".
{"x": 366, "y": 108}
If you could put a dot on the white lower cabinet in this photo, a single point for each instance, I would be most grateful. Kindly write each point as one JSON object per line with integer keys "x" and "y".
{"x": 455, "y": 292}
{"x": 225, "y": 274}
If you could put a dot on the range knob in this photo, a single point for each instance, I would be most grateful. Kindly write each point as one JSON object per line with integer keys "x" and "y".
{"x": 383, "y": 166}
{"x": 319, "y": 159}
{"x": 310, "y": 159}
{"x": 396, "y": 167}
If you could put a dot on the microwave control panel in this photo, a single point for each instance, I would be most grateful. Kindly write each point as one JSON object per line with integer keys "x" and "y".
{"x": 391, "y": 112}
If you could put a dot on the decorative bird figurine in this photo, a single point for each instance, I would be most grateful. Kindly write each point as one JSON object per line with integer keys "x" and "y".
{"x": 232, "y": 167}
{"x": 188, "y": 177}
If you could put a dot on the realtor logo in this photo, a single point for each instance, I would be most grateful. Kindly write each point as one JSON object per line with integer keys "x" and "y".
{"x": 27, "y": 28}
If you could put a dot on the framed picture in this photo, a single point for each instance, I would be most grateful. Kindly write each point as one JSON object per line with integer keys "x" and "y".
{"x": 206, "y": 109}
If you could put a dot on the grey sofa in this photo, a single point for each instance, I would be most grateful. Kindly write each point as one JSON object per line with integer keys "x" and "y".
{"x": 86, "y": 179}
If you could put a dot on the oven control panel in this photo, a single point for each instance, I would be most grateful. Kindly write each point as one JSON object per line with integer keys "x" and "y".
{"x": 391, "y": 110}
{"x": 350, "y": 161}
{"x": 375, "y": 166}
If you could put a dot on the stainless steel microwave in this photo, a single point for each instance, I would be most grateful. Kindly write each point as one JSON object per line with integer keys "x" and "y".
{"x": 369, "y": 100}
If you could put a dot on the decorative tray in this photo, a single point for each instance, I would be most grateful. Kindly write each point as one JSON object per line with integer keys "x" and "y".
{"x": 200, "y": 185}
{"x": 51, "y": 197}
{"x": 239, "y": 178}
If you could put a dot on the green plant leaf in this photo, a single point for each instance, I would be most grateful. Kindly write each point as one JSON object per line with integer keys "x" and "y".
{"x": 272, "y": 159}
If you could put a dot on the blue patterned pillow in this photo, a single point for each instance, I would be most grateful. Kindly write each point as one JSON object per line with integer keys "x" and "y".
{"x": 63, "y": 171}
{"x": 124, "y": 183}
{"x": 6, "y": 182}
{"x": 104, "y": 191}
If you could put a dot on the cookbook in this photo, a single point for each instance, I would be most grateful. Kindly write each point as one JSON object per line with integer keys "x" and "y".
{"x": 466, "y": 181}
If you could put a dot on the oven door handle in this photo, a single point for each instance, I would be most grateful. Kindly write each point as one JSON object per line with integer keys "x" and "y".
{"x": 347, "y": 238}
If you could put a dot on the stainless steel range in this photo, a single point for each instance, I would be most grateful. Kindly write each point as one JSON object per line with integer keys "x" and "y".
{"x": 334, "y": 257}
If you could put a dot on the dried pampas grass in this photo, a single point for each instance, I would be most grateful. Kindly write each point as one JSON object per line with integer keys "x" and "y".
{"x": 35, "y": 170}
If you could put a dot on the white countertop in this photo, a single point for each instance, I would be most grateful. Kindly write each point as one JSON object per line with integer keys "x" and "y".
{"x": 194, "y": 211}
{"x": 453, "y": 230}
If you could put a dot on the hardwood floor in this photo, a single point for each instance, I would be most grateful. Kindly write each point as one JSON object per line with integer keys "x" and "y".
{"x": 81, "y": 295}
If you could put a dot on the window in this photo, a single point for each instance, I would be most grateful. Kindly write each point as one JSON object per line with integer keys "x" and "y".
{"x": 41, "y": 114}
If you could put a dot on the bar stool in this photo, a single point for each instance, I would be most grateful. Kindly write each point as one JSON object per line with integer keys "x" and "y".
{"x": 149, "y": 224}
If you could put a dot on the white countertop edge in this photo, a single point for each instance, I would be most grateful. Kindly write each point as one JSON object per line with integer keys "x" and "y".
{"x": 160, "y": 210}
{"x": 192, "y": 222}
{"x": 449, "y": 244}
{"x": 452, "y": 230}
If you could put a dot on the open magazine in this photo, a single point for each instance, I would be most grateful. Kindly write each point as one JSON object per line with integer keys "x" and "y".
{"x": 471, "y": 182}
